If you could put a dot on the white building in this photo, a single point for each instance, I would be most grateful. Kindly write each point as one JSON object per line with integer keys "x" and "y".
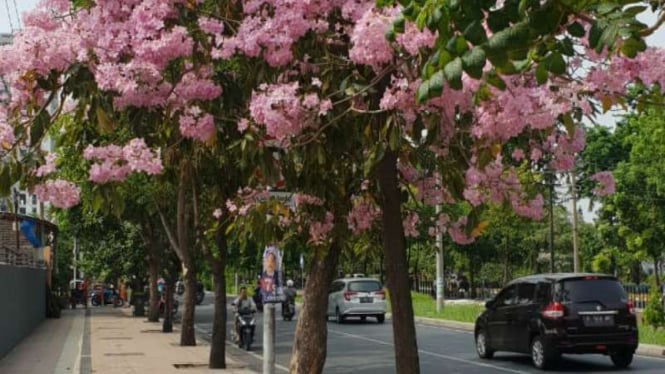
{"x": 27, "y": 202}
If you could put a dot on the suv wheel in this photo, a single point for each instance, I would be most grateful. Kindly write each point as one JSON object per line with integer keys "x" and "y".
{"x": 541, "y": 355}
{"x": 380, "y": 318}
{"x": 482, "y": 348}
{"x": 621, "y": 359}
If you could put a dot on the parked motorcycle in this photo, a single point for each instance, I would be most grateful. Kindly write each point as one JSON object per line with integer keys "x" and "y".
{"x": 288, "y": 310}
{"x": 247, "y": 322}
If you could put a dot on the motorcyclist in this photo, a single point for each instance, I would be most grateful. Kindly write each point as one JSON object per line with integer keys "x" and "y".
{"x": 240, "y": 303}
{"x": 289, "y": 295}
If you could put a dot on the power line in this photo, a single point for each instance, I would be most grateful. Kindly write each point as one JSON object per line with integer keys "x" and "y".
{"x": 9, "y": 16}
{"x": 18, "y": 17}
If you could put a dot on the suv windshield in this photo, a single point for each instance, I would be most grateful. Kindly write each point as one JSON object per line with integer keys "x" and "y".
{"x": 364, "y": 286}
{"x": 599, "y": 290}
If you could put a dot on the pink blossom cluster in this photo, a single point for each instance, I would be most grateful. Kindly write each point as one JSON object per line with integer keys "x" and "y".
{"x": 495, "y": 183}
{"x": 60, "y": 193}
{"x": 302, "y": 199}
{"x": 410, "y": 224}
{"x": 606, "y": 185}
{"x": 284, "y": 112}
{"x": 319, "y": 230}
{"x": 363, "y": 213}
{"x": 196, "y": 124}
{"x": 115, "y": 163}
{"x": 48, "y": 167}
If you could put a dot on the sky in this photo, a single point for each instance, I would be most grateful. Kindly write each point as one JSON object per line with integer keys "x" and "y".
{"x": 7, "y": 20}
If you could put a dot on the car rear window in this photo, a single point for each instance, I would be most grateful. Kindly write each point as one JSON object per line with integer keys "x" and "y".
{"x": 364, "y": 286}
{"x": 603, "y": 290}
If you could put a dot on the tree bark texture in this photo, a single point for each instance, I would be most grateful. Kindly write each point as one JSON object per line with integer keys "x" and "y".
{"x": 167, "y": 323}
{"x": 218, "y": 266}
{"x": 311, "y": 337}
{"x": 397, "y": 271}
{"x": 187, "y": 335}
{"x": 153, "y": 271}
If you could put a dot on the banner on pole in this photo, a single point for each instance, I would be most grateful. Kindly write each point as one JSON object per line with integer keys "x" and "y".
{"x": 271, "y": 276}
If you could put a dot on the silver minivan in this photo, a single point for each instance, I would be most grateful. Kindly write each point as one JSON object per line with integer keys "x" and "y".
{"x": 356, "y": 297}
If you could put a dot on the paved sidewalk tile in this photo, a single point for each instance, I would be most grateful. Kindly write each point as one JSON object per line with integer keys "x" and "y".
{"x": 123, "y": 344}
{"x": 53, "y": 347}
{"x": 107, "y": 340}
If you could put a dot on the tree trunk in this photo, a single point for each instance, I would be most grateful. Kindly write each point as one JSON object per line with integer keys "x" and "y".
{"x": 153, "y": 270}
{"x": 310, "y": 342}
{"x": 404, "y": 329}
{"x": 218, "y": 344}
{"x": 656, "y": 269}
{"x": 167, "y": 323}
{"x": 187, "y": 335}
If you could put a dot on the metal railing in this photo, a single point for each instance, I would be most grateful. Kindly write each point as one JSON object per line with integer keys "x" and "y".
{"x": 453, "y": 290}
{"x": 12, "y": 257}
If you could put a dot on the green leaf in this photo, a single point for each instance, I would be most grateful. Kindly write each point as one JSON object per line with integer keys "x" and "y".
{"x": 474, "y": 61}
{"x": 423, "y": 92}
{"x": 104, "y": 124}
{"x": 398, "y": 24}
{"x": 394, "y": 138}
{"x": 436, "y": 84}
{"x": 457, "y": 45}
{"x": 594, "y": 35}
{"x": 632, "y": 46}
{"x": 495, "y": 80}
{"x": 38, "y": 126}
{"x": 541, "y": 73}
{"x": 5, "y": 180}
{"x": 555, "y": 63}
{"x": 576, "y": 30}
{"x": 453, "y": 73}
{"x": 475, "y": 33}
{"x": 499, "y": 41}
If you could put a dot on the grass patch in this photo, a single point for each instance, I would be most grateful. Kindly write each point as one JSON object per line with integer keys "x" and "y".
{"x": 650, "y": 335}
{"x": 425, "y": 306}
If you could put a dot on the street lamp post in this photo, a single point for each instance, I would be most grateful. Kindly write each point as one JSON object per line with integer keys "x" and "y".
{"x": 18, "y": 236}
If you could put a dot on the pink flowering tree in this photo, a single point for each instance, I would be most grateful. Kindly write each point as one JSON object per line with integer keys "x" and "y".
{"x": 341, "y": 91}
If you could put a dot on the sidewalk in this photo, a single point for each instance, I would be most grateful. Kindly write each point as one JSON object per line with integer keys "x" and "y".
{"x": 108, "y": 340}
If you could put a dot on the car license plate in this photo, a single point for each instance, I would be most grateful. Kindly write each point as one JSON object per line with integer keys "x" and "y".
{"x": 599, "y": 320}
{"x": 366, "y": 300}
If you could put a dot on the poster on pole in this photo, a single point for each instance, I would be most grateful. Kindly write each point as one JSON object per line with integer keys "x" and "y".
{"x": 271, "y": 276}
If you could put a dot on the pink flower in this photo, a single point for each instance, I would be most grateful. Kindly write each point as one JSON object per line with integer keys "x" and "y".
{"x": 410, "y": 224}
{"x": 217, "y": 213}
{"x": 60, "y": 193}
{"x": 48, "y": 167}
{"x": 606, "y": 184}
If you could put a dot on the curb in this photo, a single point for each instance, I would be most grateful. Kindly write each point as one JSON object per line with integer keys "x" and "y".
{"x": 650, "y": 350}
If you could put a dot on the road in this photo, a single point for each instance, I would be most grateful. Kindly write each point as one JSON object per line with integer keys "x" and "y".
{"x": 367, "y": 348}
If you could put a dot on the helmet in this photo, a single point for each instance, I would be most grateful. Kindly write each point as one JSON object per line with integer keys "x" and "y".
{"x": 289, "y": 283}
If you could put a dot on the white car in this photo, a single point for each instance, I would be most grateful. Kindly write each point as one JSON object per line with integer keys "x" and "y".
{"x": 356, "y": 297}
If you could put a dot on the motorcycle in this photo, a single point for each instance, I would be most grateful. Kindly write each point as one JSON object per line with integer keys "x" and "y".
{"x": 247, "y": 325}
{"x": 288, "y": 310}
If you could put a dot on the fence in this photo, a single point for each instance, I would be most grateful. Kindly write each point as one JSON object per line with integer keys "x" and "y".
{"x": 453, "y": 291}
{"x": 9, "y": 256}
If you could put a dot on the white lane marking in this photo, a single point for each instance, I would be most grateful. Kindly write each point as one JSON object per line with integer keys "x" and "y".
{"x": 446, "y": 357}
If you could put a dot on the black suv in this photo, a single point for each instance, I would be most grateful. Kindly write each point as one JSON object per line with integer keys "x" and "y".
{"x": 546, "y": 315}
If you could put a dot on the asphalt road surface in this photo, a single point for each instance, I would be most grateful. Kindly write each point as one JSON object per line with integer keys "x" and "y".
{"x": 367, "y": 348}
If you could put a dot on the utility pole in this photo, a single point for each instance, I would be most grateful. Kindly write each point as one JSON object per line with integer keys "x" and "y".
{"x": 269, "y": 338}
{"x": 440, "y": 283}
{"x": 576, "y": 256}
{"x": 551, "y": 185}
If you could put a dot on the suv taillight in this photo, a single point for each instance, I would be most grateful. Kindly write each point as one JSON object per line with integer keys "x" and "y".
{"x": 553, "y": 310}
{"x": 381, "y": 294}
{"x": 631, "y": 308}
{"x": 348, "y": 294}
